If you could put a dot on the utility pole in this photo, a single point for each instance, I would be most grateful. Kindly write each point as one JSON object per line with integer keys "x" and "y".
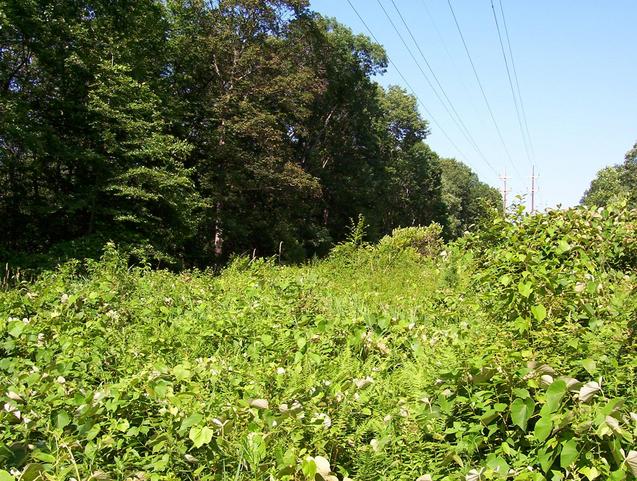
{"x": 533, "y": 190}
{"x": 505, "y": 191}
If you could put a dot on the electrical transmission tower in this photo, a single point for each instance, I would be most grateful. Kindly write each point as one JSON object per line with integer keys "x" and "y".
{"x": 505, "y": 190}
{"x": 533, "y": 189}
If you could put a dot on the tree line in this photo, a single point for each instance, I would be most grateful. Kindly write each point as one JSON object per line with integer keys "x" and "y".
{"x": 615, "y": 183}
{"x": 189, "y": 130}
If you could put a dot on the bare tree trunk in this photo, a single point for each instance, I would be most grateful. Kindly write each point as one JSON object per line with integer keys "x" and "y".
{"x": 218, "y": 232}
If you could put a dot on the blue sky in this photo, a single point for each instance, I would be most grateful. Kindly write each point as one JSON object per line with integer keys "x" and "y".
{"x": 577, "y": 68}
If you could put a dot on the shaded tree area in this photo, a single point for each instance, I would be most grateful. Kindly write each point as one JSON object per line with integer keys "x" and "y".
{"x": 468, "y": 201}
{"x": 615, "y": 183}
{"x": 190, "y": 130}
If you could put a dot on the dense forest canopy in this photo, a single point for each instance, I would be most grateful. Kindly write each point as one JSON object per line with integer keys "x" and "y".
{"x": 192, "y": 130}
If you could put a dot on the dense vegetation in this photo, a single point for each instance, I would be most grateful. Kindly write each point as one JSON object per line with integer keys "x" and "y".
{"x": 510, "y": 354}
{"x": 616, "y": 183}
{"x": 144, "y": 142}
{"x": 187, "y": 131}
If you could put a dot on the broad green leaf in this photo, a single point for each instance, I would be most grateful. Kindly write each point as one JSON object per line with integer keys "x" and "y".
{"x": 93, "y": 432}
{"x": 200, "y": 435}
{"x": 32, "y": 472}
{"x": 619, "y": 475}
{"x": 557, "y": 475}
{"x": 563, "y": 246}
{"x": 44, "y": 457}
{"x": 522, "y": 324}
{"x": 62, "y": 419}
{"x": 525, "y": 288}
{"x": 488, "y": 417}
{"x": 5, "y": 476}
{"x": 569, "y": 453}
{"x": 16, "y": 328}
{"x": 191, "y": 420}
{"x": 497, "y": 464}
{"x": 521, "y": 412}
{"x": 590, "y": 472}
{"x": 554, "y": 395}
{"x": 521, "y": 393}
{"x": 539, "y": 312}
{"x": 543, "y": 428}
{"x": 309, "y": 468}
{"x": 505, "y": 280}
{"x": 590, "y": 365}
{"x": 181, "y": 372}
{"x": 546, "y": 457}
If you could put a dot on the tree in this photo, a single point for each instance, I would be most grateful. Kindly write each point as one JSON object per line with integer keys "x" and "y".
{"x": 340, "y": 143}
{"x": 412, "y": 184}
{"x": 191, "y": 130}
{"x": 607, "y": 187}
{"x": 615, "y": 183}
{"x": 468, "y": 200}
{"x": 82, "y": 145}
{"x": 140, "y": 191}
{"x": 243, "y": 91}
{"x": 629, "y": 175}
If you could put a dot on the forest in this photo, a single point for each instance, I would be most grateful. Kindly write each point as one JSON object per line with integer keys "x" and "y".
{"x": 190, "y": 131}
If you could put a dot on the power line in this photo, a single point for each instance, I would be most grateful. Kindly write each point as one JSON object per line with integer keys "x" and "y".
{"x": 458, "y": 77}
{"x": 433, "y": 119}
{"x": 515, "y": 75}
{"x": 515, "y": 99}
{"x": 484, "y": 95}
{"x": 461, "y": 125}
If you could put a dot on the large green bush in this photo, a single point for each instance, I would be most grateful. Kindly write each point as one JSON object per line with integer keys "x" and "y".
{"x": 426, "y": 241}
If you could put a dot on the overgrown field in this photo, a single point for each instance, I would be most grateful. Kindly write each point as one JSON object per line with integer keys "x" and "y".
{"x": 511, "y": 354}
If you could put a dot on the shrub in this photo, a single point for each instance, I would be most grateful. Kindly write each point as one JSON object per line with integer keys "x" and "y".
{"x": 427, "y": 241}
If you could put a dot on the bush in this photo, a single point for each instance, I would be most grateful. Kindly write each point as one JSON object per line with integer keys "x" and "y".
{"x": 427, "y": 241}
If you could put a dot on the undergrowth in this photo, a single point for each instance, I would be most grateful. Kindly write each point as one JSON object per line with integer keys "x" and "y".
{"x": 510, "y": 354}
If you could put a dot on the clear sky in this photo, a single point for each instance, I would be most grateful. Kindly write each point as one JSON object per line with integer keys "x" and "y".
{"x": 576, "y": 62}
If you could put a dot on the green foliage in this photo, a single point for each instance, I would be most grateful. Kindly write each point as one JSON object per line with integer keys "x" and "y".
{"x": 614, "y": 184}
{"x": 511, "y": 356}
{"x": 426, "y": 241}
{"x": 606, "y": 188}
{"x": 468, "y": 202}
{"x": 192, "y": 131}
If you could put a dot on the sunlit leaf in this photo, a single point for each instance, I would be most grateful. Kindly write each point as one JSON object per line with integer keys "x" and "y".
{"x": 521, "y": 412}
{"x": 554, "y": 395}
{"x": 569, "y": 453}
{"x": 543, "y": 428}
{"x": 539, "y": 312}
{"x": 200, "y": 435}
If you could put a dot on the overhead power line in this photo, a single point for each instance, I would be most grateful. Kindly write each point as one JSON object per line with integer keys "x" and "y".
{"x": 457, "y": 119}
{"x": 484, "y": 95}
{"x": 424, "y": 107}
{"x": 513, "y": 93}
{"x": 458, "y": 77}
{"x": 517, "y": 83}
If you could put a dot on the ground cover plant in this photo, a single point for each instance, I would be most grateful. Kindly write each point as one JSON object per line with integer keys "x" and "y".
{"x": 510, "y": 354}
